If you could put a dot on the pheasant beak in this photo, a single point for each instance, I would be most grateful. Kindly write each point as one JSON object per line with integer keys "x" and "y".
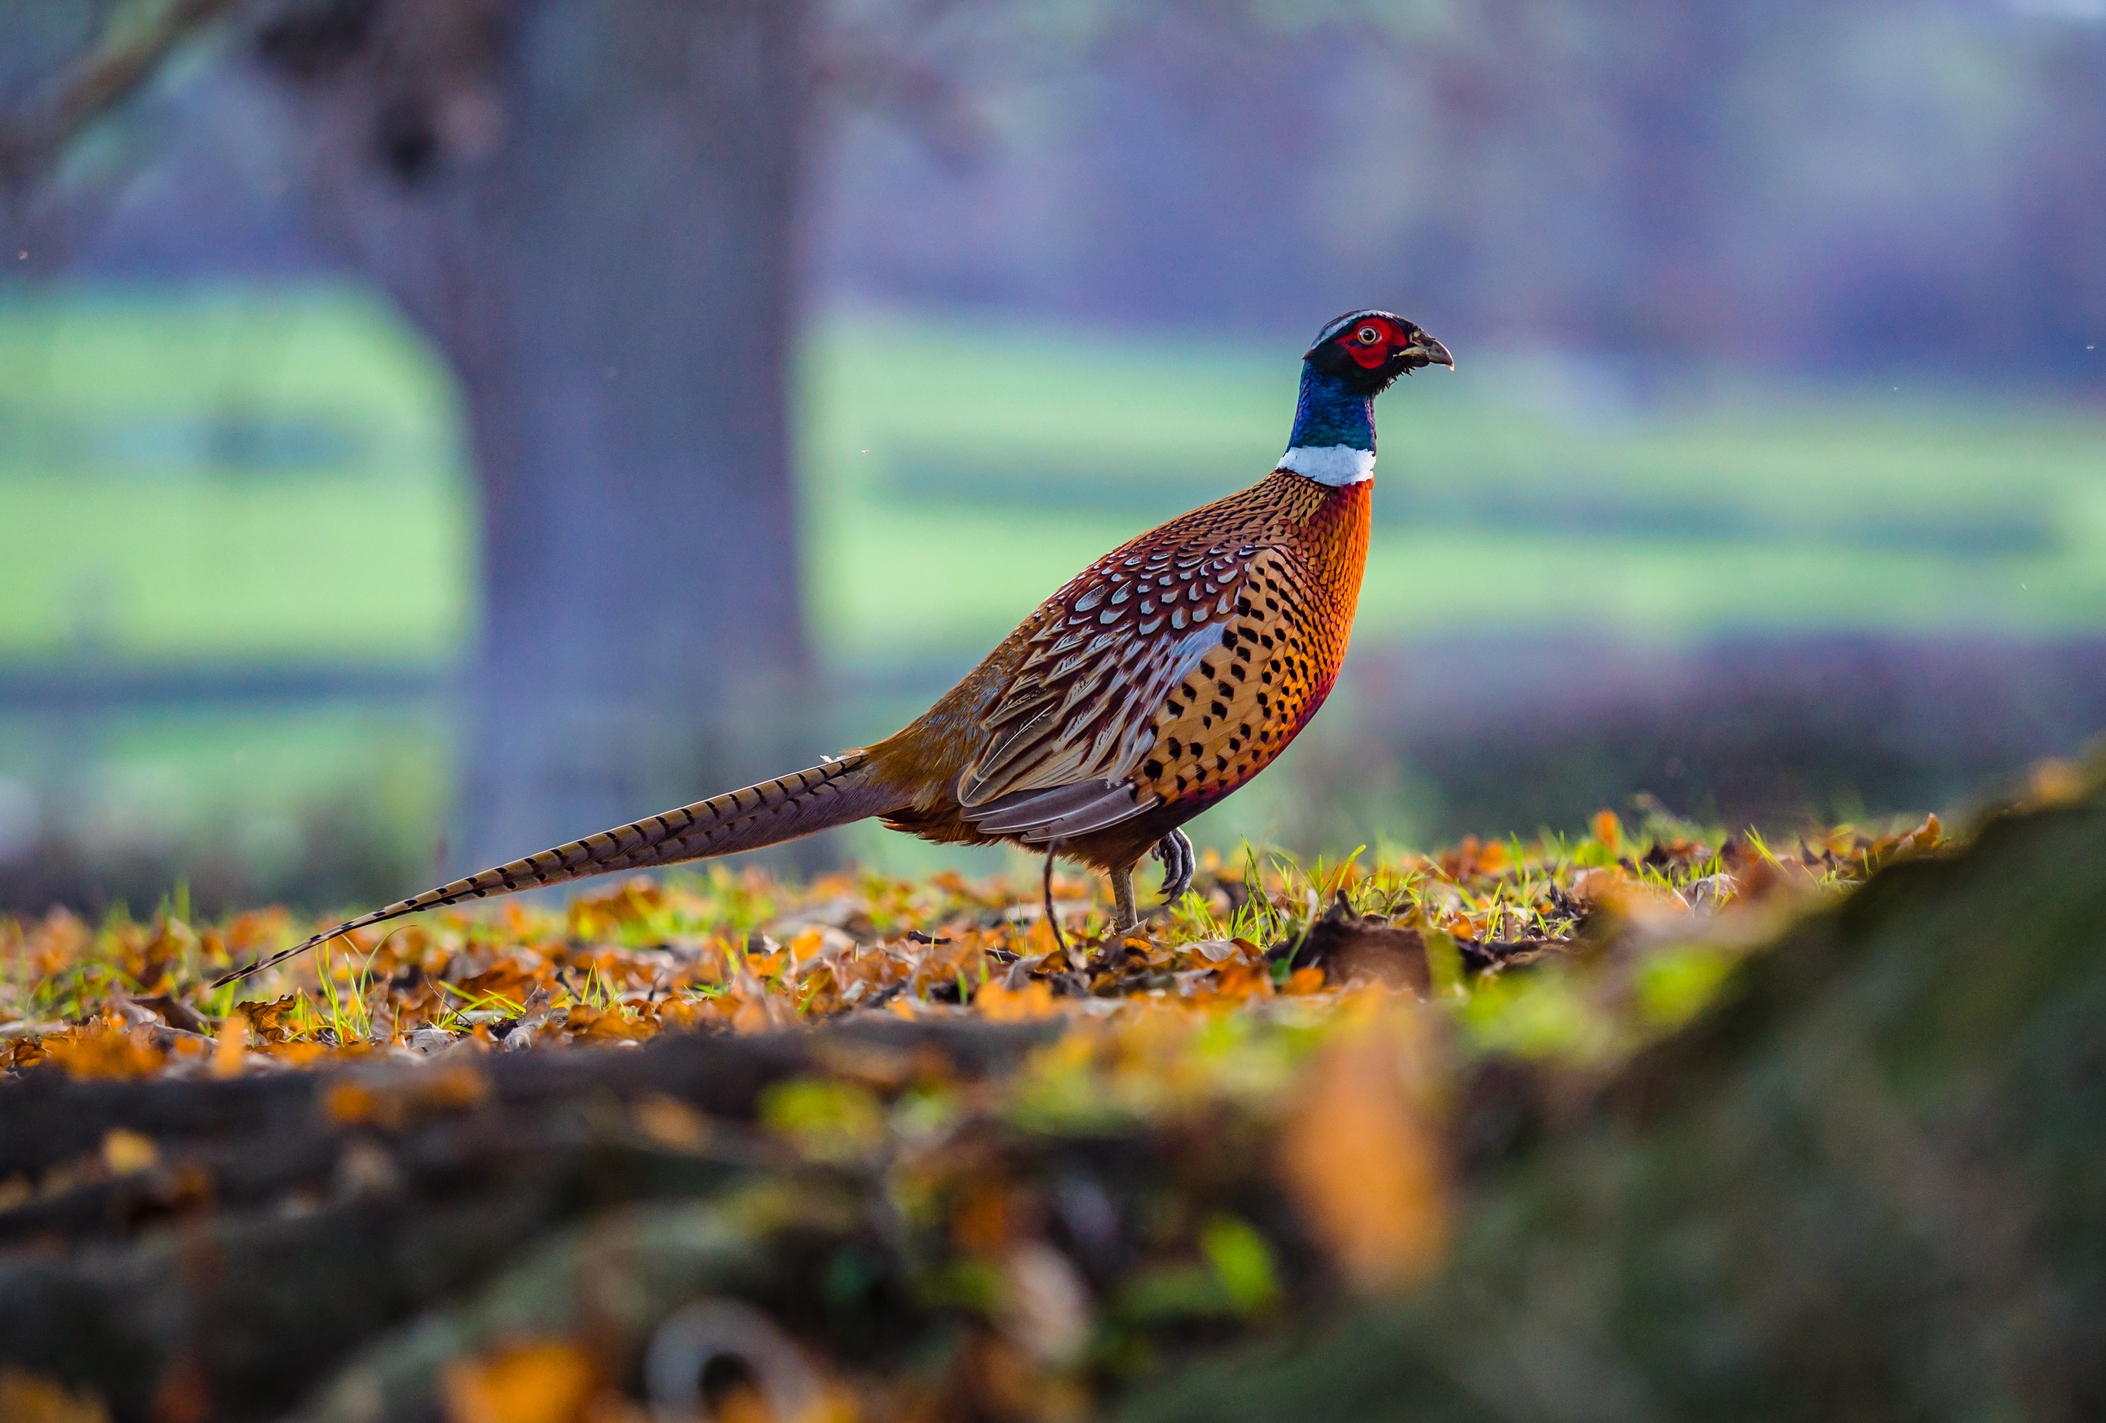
{"x": 1426, "y": 351}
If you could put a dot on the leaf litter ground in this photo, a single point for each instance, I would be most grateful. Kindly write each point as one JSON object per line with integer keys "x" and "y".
{"x": 1316, "y": 1018}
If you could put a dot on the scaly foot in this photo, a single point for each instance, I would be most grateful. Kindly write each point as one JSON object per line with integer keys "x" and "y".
{"x": 1175, "y": 851}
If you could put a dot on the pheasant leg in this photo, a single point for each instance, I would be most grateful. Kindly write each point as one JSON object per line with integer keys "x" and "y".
{"x": 1052, "y": 916}
{"x": 1123, "y": 915}
{"x": 1175, "y": 851}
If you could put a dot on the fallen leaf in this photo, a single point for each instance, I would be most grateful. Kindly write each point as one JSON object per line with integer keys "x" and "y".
{"x": 1608, "y": 830}
{"x": 57, "y": 942}
{"x": 27, "y": 1397}
{"x": 127, "y": 1153}
{"x": 1303, "y": 981}
{"x": 1005, "y": 1005}
{"x": 547, "y": 1381}
{"x": 670, "y": 1122}
{"x": 394, "y": 1101}
{"x": 271, "y": 1022}
{"x": 594, "y": 1025}
{"x": 103, "y": 1052}
{"x": 1362, "y": 1157}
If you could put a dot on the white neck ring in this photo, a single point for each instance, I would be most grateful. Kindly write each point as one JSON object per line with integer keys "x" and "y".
{"x": 1329, "y": 464}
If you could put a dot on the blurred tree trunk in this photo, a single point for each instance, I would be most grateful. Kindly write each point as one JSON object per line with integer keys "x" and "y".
{"x": 590, "y": 208}
{"x": 625, "y": 348}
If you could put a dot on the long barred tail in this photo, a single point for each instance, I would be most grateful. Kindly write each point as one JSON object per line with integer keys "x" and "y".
{"x": 836, "y": 793}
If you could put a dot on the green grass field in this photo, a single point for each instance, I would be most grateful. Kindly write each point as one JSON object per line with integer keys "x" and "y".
{"x": 234, "y": 475}
{"x": 227, "y": 476}
{"x": 996, "y": 461}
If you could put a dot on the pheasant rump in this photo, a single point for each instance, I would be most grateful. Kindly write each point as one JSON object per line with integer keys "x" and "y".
{"x": 1159, "y": 680}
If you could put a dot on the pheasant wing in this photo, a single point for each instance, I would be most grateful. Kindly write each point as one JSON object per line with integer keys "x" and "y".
{"x": 1065, "y": 735}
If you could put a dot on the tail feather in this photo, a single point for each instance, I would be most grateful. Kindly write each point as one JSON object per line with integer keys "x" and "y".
{"x": 836, "y": 793}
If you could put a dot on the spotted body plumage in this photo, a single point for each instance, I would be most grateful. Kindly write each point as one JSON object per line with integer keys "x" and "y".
{"x": 1157, "y": 681}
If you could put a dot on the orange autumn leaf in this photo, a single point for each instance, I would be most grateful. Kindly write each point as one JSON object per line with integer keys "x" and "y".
{"x": 393, "y": 1103}
{"x": 1362, "y": 1157}
{"x": 632, "y": 901}
{"x": 1472, "y": 858}
{"x": 127, "y": 1153}
{"x": 685, "y": 1012}
{"x": 1924, "y": 837}
{"x": 670, "y": 1122}
{"x": 1003, "y": 1005}
{"x": 21, "y": 1053}
{"x": 58, "y": 942}
{"x": 230, "y": 1053}
{"x": 257, "y": 929}
{"x": 1235, "y": 981}
{"x": 548, "y": 1381}
{"x": 608, "y": 1026}
{"x": 506, "y": 980}
{"x": 1304, "y": 981}
{"x": 752, "y": 1016}
{"x": 1608, "y": 830}
{"x": 272, "y": 1022}
{"x": 1039, "y": 941}
{"x": 104, "y": 1052}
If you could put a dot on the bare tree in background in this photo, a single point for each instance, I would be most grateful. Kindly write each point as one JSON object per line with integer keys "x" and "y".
{"x": 588, "y": 206}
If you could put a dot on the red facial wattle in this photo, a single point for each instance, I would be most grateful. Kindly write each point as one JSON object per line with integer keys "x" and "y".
{"x": 1370, "y": 354}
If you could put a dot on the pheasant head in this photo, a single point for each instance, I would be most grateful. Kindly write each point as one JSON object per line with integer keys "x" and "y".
{"x": 1353, "y": 359}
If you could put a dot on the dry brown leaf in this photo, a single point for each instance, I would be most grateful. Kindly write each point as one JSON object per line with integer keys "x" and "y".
{"x": 271, "y": 1022}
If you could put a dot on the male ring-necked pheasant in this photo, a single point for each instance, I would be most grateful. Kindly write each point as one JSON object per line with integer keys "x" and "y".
{"x": 1159, "y": 680}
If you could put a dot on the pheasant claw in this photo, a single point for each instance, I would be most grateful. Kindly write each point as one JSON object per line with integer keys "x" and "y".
{"x": 1175, "y": 851}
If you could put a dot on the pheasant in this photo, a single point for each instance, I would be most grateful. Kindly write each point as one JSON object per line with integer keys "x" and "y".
{"x": 1156, "y": 682}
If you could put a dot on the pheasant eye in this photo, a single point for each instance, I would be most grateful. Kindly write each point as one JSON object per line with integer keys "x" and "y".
{"x": 1368, "y": 335}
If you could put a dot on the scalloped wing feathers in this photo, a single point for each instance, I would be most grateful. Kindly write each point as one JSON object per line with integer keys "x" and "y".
{"x": 1106, "y": 656}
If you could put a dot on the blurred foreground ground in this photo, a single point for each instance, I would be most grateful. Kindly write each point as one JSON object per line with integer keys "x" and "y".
{"x": 1630, "y": 1125}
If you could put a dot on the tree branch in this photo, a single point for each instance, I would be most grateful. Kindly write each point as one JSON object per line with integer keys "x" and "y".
{"x": 131, "y": 51}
